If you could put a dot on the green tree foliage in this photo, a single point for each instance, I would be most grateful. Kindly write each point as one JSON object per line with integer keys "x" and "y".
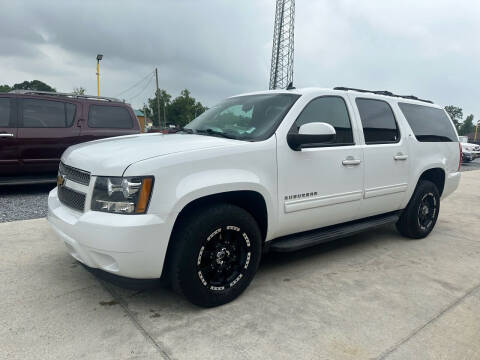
{"x": 467, "y": 126}
{"x": 184, "y": 109}
{"x": 36, "y": 85}
{"x": 152, "y": 110}
{"x": 5, "y": 88}
{"x": 179, "y": 111}
{"x": 456, "y": 114}
{"x": 79, "y": 90}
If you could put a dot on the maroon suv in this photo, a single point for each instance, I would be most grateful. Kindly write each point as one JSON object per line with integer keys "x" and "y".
{"x": 36, "y": 128}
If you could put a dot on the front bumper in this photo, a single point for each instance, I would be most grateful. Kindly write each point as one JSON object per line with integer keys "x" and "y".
{"x": 132, "y": 246}
{"x": 470, "y": 155}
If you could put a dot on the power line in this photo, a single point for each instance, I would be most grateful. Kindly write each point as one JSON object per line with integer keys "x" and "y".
{"x": 136, "y": 84}
{"x": 143, "y": 89}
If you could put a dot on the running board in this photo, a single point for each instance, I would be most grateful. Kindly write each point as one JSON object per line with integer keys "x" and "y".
{"x": 314, "y": 237}
{"x": 27, "y": 180}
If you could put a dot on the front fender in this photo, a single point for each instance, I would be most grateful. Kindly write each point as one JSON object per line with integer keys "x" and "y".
{"x": 211, "y": 182}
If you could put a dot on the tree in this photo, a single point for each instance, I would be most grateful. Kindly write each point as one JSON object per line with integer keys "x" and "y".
{"x": 467, "y": 126}
{"x": 79, "y": 90}
{"x": 164, "y": 98}
{"x": 5, "y": 88}
{"x": 184, "y": 109}
{"x": 180, "y": 111}
{"x": 456, "y": 114}
{"x": 36, "y": 85}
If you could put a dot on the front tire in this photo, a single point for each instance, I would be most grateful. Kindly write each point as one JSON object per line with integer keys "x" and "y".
{"x": 420, "y": 216}
{"x": 216, "y": 253}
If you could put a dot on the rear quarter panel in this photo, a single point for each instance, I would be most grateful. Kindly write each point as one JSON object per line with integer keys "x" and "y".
{"x": 94, "y": 133}
{"x": 427, "y": 155}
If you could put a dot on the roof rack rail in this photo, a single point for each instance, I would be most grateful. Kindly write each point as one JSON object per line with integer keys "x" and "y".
{"x": 382, "y": 92}
{"x": 70, "y": 95}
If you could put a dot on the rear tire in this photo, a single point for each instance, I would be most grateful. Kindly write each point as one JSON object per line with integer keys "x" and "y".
{"x": 419, "y": 217}
{"x": 216, "y": 253}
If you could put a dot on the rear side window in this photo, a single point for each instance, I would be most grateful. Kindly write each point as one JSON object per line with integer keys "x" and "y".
{"x": 70, "y": 110}
{"x": 428, "y": 124}
{"x": 39, "y": 113}
{"x": 114, "y": 117}
{"x": 378, "y": 121}
{"x": 4, "y": 112}
{"x": 331, "y": 110}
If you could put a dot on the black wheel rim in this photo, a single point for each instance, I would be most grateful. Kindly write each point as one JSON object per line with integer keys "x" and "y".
{"x": 223, "y": 258}
{"x": 427, "y": 211}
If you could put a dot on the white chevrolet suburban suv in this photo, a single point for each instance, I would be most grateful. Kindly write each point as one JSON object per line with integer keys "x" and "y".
{"x": 275, "y": 170}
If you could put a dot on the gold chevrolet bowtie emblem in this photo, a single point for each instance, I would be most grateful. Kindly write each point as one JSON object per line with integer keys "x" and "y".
{"x": 60, "y": 180}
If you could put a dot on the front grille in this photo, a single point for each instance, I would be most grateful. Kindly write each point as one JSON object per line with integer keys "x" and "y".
{"x": 71, "y": 198}
{"x": 76, "y": 175}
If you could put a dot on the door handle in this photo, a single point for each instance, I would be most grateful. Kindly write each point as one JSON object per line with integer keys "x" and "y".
{"x": 400, "y": 156}
{"x": 4, "y": 135}
{"x": 351, "y": 161}
{"x": 80, "y": 122}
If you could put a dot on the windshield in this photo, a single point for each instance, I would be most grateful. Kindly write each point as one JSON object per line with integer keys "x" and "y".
{"x": 251, "y": 117}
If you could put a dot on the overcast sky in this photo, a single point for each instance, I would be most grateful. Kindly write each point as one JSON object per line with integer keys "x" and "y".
{"x": 218, "y": 48}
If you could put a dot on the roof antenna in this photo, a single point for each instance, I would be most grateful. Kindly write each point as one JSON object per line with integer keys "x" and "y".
{"x": 290, "y": 86}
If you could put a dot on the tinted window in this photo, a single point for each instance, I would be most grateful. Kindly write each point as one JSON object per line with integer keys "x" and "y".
{"x": 70, "y": 113}
{"x": 47, "y": 114}
{"x": 4, "y": 112}
{"x": 114, "y": 117}
{"x": 331, "y": 110}
{"x": 428, "y": 123}
{"x": 378, "y": 121}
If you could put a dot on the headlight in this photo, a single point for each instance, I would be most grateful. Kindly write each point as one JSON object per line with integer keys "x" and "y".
{"x": 122, "y": 195}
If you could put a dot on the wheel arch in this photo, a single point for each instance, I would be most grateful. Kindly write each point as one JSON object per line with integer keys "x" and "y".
{"x": 436, "y": 175}
{"x": 251, "y": 201}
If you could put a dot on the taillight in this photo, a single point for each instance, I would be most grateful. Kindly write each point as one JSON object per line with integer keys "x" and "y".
{"x": 460, "y": 157}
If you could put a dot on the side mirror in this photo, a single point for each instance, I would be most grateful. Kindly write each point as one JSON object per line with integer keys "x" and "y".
{"x": 314, "y": 133}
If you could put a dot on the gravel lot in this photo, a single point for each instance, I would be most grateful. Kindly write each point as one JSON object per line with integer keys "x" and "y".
{"x": 23, "y": 202}
{"x": 30, "y": 202}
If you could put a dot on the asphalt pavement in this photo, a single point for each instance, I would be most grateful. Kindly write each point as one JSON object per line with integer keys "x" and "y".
{"x": 472, "y": 165}
{"x": 375, "y": 295}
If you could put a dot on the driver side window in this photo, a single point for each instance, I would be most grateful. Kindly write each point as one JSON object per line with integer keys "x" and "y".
{"x": 331, "y": 110}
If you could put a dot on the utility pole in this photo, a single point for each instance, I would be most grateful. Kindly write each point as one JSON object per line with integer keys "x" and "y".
{"x": 164, "y": 113}
{"x": 144, "y": 118}
{"x": 157, "y": 95}
{"x": 476, "y": 130}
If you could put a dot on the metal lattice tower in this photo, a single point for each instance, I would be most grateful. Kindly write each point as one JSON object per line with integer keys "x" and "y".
{"x": 281, "y": 71}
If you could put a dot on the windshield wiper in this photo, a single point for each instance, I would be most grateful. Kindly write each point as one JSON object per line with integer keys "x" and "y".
{"x": 215, "y": 133}
{"x": 186, "y": 130}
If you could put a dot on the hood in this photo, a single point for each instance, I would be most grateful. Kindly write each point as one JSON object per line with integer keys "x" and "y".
{"x": 112, "y": 156}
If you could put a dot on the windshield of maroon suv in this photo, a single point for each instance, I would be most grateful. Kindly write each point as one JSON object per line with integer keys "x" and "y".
{"x": 250, "y": 117}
